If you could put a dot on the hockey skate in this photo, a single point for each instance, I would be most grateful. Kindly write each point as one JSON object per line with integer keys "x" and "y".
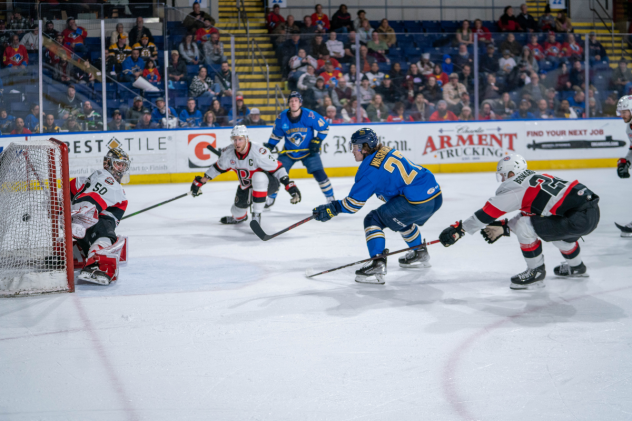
{"x": 373, "y": 272}
{"x": 626, "y": 230}
{"x": 231, "y": 220}
{"x": 256, "y": 217}
{"x": 567, "y": 271}
{"x": 269, "y": 203}
{"x": 330, "y": 199}
{"x": 416, "y": 259}
{"x": 529, "y": 279}
{"x": 94, "y": 275}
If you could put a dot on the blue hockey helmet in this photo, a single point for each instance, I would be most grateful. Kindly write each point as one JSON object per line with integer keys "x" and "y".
{"x": 295, "y": 94}
{"x": 365, "y": 135}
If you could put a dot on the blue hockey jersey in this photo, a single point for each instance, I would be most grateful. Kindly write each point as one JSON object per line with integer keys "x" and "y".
{"x": 387, "y": 174}
{"x": 299, "y": 133}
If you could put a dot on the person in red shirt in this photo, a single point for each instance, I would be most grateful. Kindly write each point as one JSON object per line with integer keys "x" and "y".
{"x": 508, "y": 22}
{"x": 19, "y": 127}
{"x": 15, "y": 56}
{"x": 398, "y": 117}
{"x": 204, "y": 34}
{"x": 331, "y": 76}
{"x": 150, "y": 73}
{"x": 335, "y": 63}
{"x": 552, "y": 48}
{"x": 536, "y": 48}
{"x": 572, "y": 49}
{"x": 320, "y": 20}
{"x": 483, "y": 33}
{"x": 74, "y": 36}
{"x": 440, "y": 76}
{"x": 442, "y": 113}
{"x": 274, "y": 18}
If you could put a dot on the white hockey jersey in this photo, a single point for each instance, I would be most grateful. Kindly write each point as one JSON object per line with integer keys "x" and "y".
{"x": 628, "y": 130}
{"x": 103, "y": 191}
{"x": 533, "y": 194}
{"x": 257, "y": 158}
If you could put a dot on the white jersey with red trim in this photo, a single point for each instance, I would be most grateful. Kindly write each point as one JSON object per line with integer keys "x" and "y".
{"x": 101, "y": 190}
{"x": 257, "y": 158}
{"x": 533, "y": 194}
{"x": 628, "y": 130}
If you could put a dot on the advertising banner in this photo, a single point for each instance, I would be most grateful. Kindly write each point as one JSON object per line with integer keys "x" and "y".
{"x": 173, "y": 155}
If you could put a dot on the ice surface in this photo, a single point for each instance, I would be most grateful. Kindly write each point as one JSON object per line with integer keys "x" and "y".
{"x": 207, "y": 322}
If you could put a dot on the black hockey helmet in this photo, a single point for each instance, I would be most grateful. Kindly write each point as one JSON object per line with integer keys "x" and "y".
{"x": 117, "y": 163}
{"x": 295, "y": 94}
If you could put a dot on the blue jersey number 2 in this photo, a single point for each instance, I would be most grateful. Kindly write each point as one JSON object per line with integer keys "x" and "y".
{"x": 408, "y": 178}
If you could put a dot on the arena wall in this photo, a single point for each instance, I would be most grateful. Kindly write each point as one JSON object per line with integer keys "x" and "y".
{"x": 175, "y": 156}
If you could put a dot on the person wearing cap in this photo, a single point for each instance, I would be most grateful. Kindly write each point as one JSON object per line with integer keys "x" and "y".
{"x": 138, "y": 31}
{"x": 177, "y": 70}
{"x": 120, "y": 30}
{"x": 547, "y": 20}
{"x": 274, "y": 18}
{"x": 117, "y": 54}
{"x": 74, "y": 36}
{"x": 133, "y": 67}
{"x": 523, "y": 113}
{"x": 442, "y": 113}
{"x": 389, "y": 91}
{"x": 117, "y": 122}
{"x": 242, "y": 110}
{"x": 159, "y": 115}
{"x": 506, "y": 63}
{"x": 72, "y": 125}
{"x": 254, "y": 119}
{"x": 424, "y": 64}
{"x": 50, "y": 30}
{"x": 31, "y": 39}
{"x": 214, "y": 50}
{"x": 136, "y": 112}
{"x": 146, "y": 121}
{"x": 453, "y": 90}
{"x": 488, "y": 63}
{"x": 190, "y": 116}
{"x": 147, "y": 49}
{"x": 331, "y": 76}
{"x": 195, "y": 20}
{"x": 224, "y": 81}
{"x": 366, "y": 92}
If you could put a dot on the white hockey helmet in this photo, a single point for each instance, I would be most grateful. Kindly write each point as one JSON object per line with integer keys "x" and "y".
{"x": 239, "y": 130}
{"x": 625, "y": 103}
{"x": 511, "y": 163}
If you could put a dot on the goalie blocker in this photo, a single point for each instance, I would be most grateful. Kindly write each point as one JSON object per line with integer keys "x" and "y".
{"x": 552, "y": 210}
{"x": 98, "y": 204}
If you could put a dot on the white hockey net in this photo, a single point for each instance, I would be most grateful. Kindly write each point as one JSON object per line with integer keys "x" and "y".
{"x": 33, "y": 240}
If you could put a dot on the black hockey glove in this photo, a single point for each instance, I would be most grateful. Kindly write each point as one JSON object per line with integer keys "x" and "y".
{"x": 314, "y": 146}
{"x": 269, "y": 146}
{"x": 324, "y": 213}
{"x": 452, "y": 234}
{"x": 495, "y": 230}
{"x": 623, "y": 168}
{"x": 291, "y": 188}
{"x": 196, "y": 186}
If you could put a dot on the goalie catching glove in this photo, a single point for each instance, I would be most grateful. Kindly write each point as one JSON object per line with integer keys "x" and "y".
{"x": 196, "y": 186}
{"x": 291, "y": 188}
{"x": 495, "y": 230}
{"x": 452, "y": 234}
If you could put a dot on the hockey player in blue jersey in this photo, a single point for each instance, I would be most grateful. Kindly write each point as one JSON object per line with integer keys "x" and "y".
{"x": 411, "y": 193}
{"x": 297, "y": 125}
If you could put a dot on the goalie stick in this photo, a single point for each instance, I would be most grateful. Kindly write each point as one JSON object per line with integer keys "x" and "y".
{"x": 256, "y": 228}
{"x": 309, "y": 272}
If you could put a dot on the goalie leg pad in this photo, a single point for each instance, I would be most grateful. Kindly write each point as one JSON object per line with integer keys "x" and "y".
{"x": 103, "y": 261}
{"x": 530, "y": 244}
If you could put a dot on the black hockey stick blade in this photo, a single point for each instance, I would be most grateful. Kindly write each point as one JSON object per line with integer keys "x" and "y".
{"x": 623, "y": 228}
{"x": 215, "y": 151}
{"x": 309, "y": 272}
{"x": 156, "y": 205}
{"x": 256, "y": 228}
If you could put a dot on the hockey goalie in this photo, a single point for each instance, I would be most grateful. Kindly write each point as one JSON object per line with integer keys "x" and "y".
{"x": 98, "y": 204}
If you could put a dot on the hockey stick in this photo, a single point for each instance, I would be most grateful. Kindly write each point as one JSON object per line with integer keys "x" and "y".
{"x": 215, "y": 151}
{"x": 155, "y": 206}
{"x": 256, "y": 228}
{"x": 309, "y": 273}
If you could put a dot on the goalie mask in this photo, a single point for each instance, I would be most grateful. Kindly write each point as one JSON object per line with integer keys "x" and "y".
{"x": 116, "y": 162}
{"x": 511, "y": 163}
